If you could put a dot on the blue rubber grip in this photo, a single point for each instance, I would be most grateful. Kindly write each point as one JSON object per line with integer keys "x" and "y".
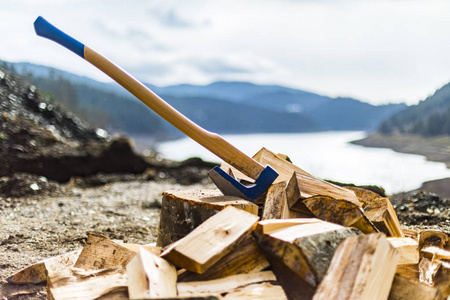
{"x": 45, "y": 29}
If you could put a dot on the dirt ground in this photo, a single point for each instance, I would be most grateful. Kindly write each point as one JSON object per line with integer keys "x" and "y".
{"x": 36, "y": 227}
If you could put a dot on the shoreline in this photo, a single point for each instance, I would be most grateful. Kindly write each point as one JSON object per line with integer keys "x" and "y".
{"x": 435, "y": 149}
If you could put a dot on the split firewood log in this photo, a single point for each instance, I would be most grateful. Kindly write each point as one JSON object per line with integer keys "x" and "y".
{"x": 300, "y": 255}
{"x": 61, "y": 265}
{"x": 435, "y": 272}
{"x": 47, "y": 268}
{"x": 411, "y": 233}
{"x": 184, "y": 210}
{"x": 271, "y": 225}
{"x": 98, "y": 272}
{"x": 407, "y": 289}
{"x": 136, "y": 247}
{"x": 279, "y": 195}
{"x": 90, "y": 284}
{"x": 100, "y": 253}
{"x": 261, "y": 285}
{"x": 408, "y": 249}
{"x": 409, "y": 271}
{"x": 247, "y": 258}
{"x": 276, "y": 206}
{"x": 428, "y": 269}
{"x": 434, "y": 252}
{"x": 309, "y": 185}
{"x": 379, "y": 211}
{"x": 432, "y": 238}
{"x": 363, "y": 267}
{"x": 150, "y": 276}
{"x": 339, "y": 211}
{"x": 442, "y": 279}
{"x": 212, "y": 240}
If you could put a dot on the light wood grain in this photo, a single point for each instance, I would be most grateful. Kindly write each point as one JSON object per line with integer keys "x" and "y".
{"x": 300, "y": 254}
{"x": 99, "y": 253}
{"x": 363, "y": 267}
{"x": 408, "y": 249}
{"x": 223, "y": 285}
{"x": 276, "y": 206}
{"x": 212, "y": 240}
{"x": 272, "y": 225}
{"x": 246, "y": 258}
{"x": 435, "y": 252}
{"x": 87, "y": 287}
{"x": 308, "y": 184}
{"x": 48, "y": 268}
{"x": 150, "y": 276}
{"x": 428, "y": 268}
{"x": 407, "y": 289}
{"x": 257, "y": 291}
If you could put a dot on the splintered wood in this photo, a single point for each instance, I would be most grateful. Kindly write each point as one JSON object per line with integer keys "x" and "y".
{"x": 150, "y": 276}
{"x": 212, "y": 240}
{"x": 304, "y": 239}
{"x": 363, "y": 267}
{"x": 379, "y": 211}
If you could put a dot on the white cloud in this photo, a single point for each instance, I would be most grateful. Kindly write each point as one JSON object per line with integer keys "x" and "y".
{"x": 373, "y": 50}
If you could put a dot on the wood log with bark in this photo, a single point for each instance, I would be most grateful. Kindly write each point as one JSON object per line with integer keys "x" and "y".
{"x": 363, "y": 267}
{"x": 184, "y": 210}
{"x": 300, "y": 255}
{"x": 212, "y": 240}
{"x": 379, "y": 211}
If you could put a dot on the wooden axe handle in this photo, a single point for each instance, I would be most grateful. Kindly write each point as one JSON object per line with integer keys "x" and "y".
{"x": 211, "y": 141}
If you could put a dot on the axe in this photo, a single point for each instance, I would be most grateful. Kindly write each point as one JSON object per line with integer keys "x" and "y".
{"x": 263, "y": 176}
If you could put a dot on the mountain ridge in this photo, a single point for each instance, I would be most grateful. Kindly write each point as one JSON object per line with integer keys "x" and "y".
{"x": 250, "y": 108}
{"x": 430, "y": 117}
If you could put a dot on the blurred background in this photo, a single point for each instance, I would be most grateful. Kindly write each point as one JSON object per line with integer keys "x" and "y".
{"x": 303, "y": 78}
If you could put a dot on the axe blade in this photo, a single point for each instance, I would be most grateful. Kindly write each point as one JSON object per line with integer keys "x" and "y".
{"x": 229, "y": 186}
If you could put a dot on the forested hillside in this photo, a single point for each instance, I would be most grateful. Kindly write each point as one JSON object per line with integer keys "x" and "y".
{"x": 431, "y": 117}
{"x": 222, "y": 107}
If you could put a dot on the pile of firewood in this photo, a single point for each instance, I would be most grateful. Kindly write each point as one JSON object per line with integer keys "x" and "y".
{"x": 305, "y": 239}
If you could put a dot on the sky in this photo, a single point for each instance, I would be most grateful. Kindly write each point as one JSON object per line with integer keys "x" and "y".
{"x": 375, "y": 51}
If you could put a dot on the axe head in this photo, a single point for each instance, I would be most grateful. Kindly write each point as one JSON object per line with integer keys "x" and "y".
{"x": 229, "y": 186}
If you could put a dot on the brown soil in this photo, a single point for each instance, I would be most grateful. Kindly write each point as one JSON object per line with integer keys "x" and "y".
{"x": 38, "y": 227}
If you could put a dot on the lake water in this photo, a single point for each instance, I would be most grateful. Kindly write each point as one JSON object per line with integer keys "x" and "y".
{"x": 328, "y": 155}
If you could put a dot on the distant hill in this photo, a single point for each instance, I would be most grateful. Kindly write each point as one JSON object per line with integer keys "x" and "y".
{"x": 222, "y": 107}
{"x": 430, "y": 117}
{"x": 327, "y": 113}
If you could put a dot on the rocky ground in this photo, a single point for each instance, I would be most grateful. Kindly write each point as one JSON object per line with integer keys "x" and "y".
{"x": 61, "y": 179}
{"x": 41, "y": 226}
